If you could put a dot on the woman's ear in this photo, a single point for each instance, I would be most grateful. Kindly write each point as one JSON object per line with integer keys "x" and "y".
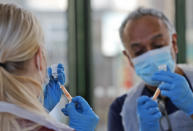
{"x": 128, "y": 57}
{"x": 38, "y": 59}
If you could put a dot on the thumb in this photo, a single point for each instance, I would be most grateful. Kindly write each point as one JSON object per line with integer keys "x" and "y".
{"x": 64, "y": 111}
{"x": 70, "y": 109}
{"x": 61, "y": 77}
{"x": 82, "y": 103}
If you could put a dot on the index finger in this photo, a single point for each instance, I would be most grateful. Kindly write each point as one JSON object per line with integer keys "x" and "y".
{"x": 142, "y": 100}
{"x": 60, "y": 66}
{"x": 83, "y": 103}
{"x": 49, "y": 70}
{"x": 162, "y": 78}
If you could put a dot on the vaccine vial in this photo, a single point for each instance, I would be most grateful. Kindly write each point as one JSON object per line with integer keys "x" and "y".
{"x": 54, "y": 70}
{"x": 162, "y": 67}
{"x": 157, "y": 92}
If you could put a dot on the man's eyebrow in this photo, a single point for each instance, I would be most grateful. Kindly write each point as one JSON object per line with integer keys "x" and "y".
{"x": 156, "y": 36}
{"x": 133, "y": 45}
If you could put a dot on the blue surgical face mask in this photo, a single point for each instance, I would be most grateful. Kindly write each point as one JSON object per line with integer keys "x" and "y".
{"x": 148, "y": 63}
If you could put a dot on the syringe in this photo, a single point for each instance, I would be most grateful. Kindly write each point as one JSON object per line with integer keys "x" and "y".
{"x": 55, "y": 75}
{"x": 67, "y": 94}
{"x": 157, "y": 92}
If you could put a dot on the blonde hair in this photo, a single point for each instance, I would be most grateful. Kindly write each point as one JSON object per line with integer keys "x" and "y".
{"x": 20, "y": 39}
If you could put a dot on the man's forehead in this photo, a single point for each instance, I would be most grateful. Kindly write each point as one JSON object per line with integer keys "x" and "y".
{"x": 153, "y": 36}
{"x": 144, "y": 20}
{"x": 144, "y": 28}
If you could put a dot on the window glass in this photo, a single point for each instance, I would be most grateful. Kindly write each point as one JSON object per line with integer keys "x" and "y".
{"x": 189, "y": 31}
{"x": 113, "y": 76}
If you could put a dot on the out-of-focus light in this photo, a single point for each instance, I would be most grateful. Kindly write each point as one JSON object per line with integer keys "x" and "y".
{"x": 120, "y": 5}
{"x": 125, "y": 5}
{"x": 111, "y": 44}
{"x": 99, "y": 4}
{"x": 48, "y": 5}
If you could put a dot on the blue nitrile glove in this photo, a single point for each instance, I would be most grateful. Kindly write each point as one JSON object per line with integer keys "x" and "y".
{"x": 81, "y": 115}
{"x": 52, "y": 91}
{"x": 148, "y": 114}
{"x": 177, "y": 89}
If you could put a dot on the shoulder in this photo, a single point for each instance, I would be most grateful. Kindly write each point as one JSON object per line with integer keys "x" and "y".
{"x": 118, "y": 103}
{"x": 135, "y": 91}
{"x": 27, "y": 123}
{"x": 132, "y": 95}
{"x": 44, "y": 129}
{"x": 114, "y": 117}
{"x": 128, "y": 112}
{"x": 188, "y": 71}
{"x": 186, "y": 68}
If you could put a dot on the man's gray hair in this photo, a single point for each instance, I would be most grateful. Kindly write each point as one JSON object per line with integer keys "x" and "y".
{"x": 147, "y": 12}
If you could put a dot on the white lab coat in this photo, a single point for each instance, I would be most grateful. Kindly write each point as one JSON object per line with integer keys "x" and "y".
{"x": 22, "y": 113}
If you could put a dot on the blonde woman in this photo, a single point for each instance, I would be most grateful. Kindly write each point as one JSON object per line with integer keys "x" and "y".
{"x": 22, "y": 73}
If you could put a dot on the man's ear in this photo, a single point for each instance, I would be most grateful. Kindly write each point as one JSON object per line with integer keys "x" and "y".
{"x": 128, "y": 57}
{"x": 38, "y": 59}
{"x": 174, "y": 43}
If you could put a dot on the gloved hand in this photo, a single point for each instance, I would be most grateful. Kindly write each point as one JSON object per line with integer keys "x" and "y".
{"x": 81, "y": 115}
{"x": 52, "y": 91}
{"x": 148, "y": 114}
{"x": 177, "y": 89}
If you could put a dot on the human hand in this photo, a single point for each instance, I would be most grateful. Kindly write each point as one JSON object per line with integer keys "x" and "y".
{"x": 177, "y": 89}
{"x": 52, "y": 91}
{"x": 81, "y": 115}
{"x": 148, "y": 114}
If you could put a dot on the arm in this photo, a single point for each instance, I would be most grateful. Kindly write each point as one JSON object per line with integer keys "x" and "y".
{"x": 114, "y": 117}
{"x": 192, "y": 116}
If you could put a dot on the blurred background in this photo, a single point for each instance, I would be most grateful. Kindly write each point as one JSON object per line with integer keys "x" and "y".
{"x": 83, "y": 35}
